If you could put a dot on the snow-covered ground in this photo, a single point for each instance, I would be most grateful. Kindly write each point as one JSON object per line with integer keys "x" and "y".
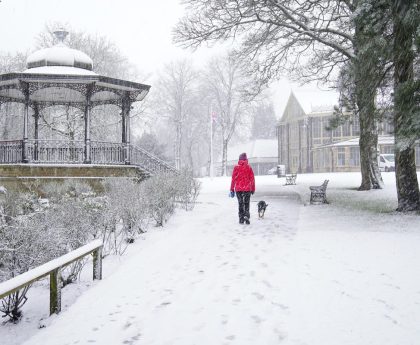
{"x": 342, "y": 273}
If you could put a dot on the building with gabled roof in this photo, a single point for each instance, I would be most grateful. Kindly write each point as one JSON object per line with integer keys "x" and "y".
{"x": 305, "y": 144}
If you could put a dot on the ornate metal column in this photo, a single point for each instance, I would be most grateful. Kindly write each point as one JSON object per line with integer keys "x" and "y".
{"x": 125, "y": 113}
{"x": 87, "y": 158}
{"x": 25, "y": 155}
{"x": 36, "y": 131}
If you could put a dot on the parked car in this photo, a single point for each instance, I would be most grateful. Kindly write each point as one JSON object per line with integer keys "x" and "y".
{"x": 387, "y": 162}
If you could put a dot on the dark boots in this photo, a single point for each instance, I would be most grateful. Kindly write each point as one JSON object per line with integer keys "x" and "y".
{"x": 243, "y": 201}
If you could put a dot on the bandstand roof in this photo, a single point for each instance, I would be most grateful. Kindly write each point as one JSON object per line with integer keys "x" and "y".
{"x": 63, "y": 76}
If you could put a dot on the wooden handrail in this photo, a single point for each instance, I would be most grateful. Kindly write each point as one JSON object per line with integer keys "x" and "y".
{"x": 52, "y": 268}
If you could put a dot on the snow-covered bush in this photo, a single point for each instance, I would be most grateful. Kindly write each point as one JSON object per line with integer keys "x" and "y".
{"x": 73, "y": 214}
{"x": 125, "y": 214}
{"x": 25, "y": 242}
{"x": 187, "y": 189}
{"x": 35, "y": 230}
{"x": 164, "y": 191}
{"x": 160, "y": 191}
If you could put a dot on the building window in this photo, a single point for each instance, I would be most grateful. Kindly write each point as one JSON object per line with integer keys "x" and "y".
{"x": 346, "y": 129}
{"x": 355, "y": 127}
{"x": 354, "y": 156}
{"x": 341, "y": 156}
{"x": 387, "y": 149}
{"x": 316, "y": 128}
{"x": 337, "y": 132}
{"x": 386, "y": 127}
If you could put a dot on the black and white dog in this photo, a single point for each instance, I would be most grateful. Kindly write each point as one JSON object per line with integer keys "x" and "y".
{"x": 262, "y": 205}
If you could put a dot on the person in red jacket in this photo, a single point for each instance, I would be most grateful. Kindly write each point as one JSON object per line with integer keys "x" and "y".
{"x": 243, "y": 183}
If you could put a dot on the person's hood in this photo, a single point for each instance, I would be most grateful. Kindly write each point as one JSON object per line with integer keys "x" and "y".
{"x": 243, "y": 162}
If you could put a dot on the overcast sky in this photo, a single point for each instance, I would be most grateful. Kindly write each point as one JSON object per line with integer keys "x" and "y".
{"x": 140, "y": 28}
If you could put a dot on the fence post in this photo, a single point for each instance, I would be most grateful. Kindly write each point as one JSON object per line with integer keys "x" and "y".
{"x": 55, "y": 292}
{"x": 97, "y": 263}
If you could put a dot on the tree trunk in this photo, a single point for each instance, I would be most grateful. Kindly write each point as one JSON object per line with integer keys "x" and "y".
{"x": 404, "y": 103}
{"x": 178, "y": 144}
{"x": 224, "y": 157}
{"x": 365, "y": 83}
{"x": 368, "y": 143}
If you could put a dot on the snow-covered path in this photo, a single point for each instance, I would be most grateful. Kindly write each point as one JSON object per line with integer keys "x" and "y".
{"x": 203, "y": 280}
{"x": 295, "y": 277}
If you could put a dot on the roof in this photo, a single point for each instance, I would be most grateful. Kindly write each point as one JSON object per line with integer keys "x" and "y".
{"x": 63, "y": 76}
{"x": 259, "y": 148}
{"x": 68, "y": 89}
{"x": 382, "y": 140}
{"x": 293, "y": 110}
{"x": 59, "y": 70}
{"x": 59, "y": 55}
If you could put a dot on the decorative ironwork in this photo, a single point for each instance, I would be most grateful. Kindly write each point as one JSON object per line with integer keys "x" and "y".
{"x": 56, "y": 151}
{"x": 106, "y": 153}
{"x": 11, "y": 151}
{"x": 43, "y": 105}
{"x": 100, "y": 88}
{"x": 132, "y": 95}
{"x": 72, "y": 152}
{"x": 117, "y": 102}
{"x": 4, "y": 100}
{"x": 149, "y": 162}
{"x": 79, "y": 87}
{"x": 10, "y": 87}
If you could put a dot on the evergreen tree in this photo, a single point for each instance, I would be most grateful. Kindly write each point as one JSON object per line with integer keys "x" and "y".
{"x": 264, "y": 122}
{"x": 406, "y": 20}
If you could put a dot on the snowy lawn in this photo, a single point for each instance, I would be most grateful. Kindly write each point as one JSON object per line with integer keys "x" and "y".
{"x": 342, "y": 273}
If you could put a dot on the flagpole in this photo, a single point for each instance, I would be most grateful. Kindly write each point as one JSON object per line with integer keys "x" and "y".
{"x": 211, "y": 144}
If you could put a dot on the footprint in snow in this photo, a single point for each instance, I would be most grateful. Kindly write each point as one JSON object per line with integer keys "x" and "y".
{"x": 257, "y": 319}
{"x": 127, "y": 325}
{"x": 395, "y": 322}
{"x": 258, "y": 295}
{"x": 266, "y": 283}
{"x": 280, "y": 305}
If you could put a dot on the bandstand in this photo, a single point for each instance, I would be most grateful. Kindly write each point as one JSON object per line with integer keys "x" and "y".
{"x": 61, "y": 76}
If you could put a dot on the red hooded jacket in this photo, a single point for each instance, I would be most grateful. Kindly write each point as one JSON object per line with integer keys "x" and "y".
{"x": 243, "y": 178}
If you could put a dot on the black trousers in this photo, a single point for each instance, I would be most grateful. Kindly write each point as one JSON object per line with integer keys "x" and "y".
{"x": 243, "y": 200}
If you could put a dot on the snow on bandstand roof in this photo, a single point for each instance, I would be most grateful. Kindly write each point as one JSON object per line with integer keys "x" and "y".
{"x": 59, "y": 55}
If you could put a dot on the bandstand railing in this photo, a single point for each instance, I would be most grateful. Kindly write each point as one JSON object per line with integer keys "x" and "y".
{"x": 11, "y": 151}
{"x": 51, "y": 151}
{"x": 106, "y": 153}
{"x": 149, "y": 162}
{"x": 56, "y": 151}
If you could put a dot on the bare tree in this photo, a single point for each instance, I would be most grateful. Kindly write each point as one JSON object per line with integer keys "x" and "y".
{"x": 310, "y": 40}
{"x": 10, "y": 122}
{"x": 174, "y": 99}
{"x": 228, "y": 86}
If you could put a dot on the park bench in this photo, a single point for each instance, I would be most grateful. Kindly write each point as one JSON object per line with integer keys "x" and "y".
{"x": 290, "y": 179}
{"x": 318, "y": 193}
{"x": 52, "y": 268}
